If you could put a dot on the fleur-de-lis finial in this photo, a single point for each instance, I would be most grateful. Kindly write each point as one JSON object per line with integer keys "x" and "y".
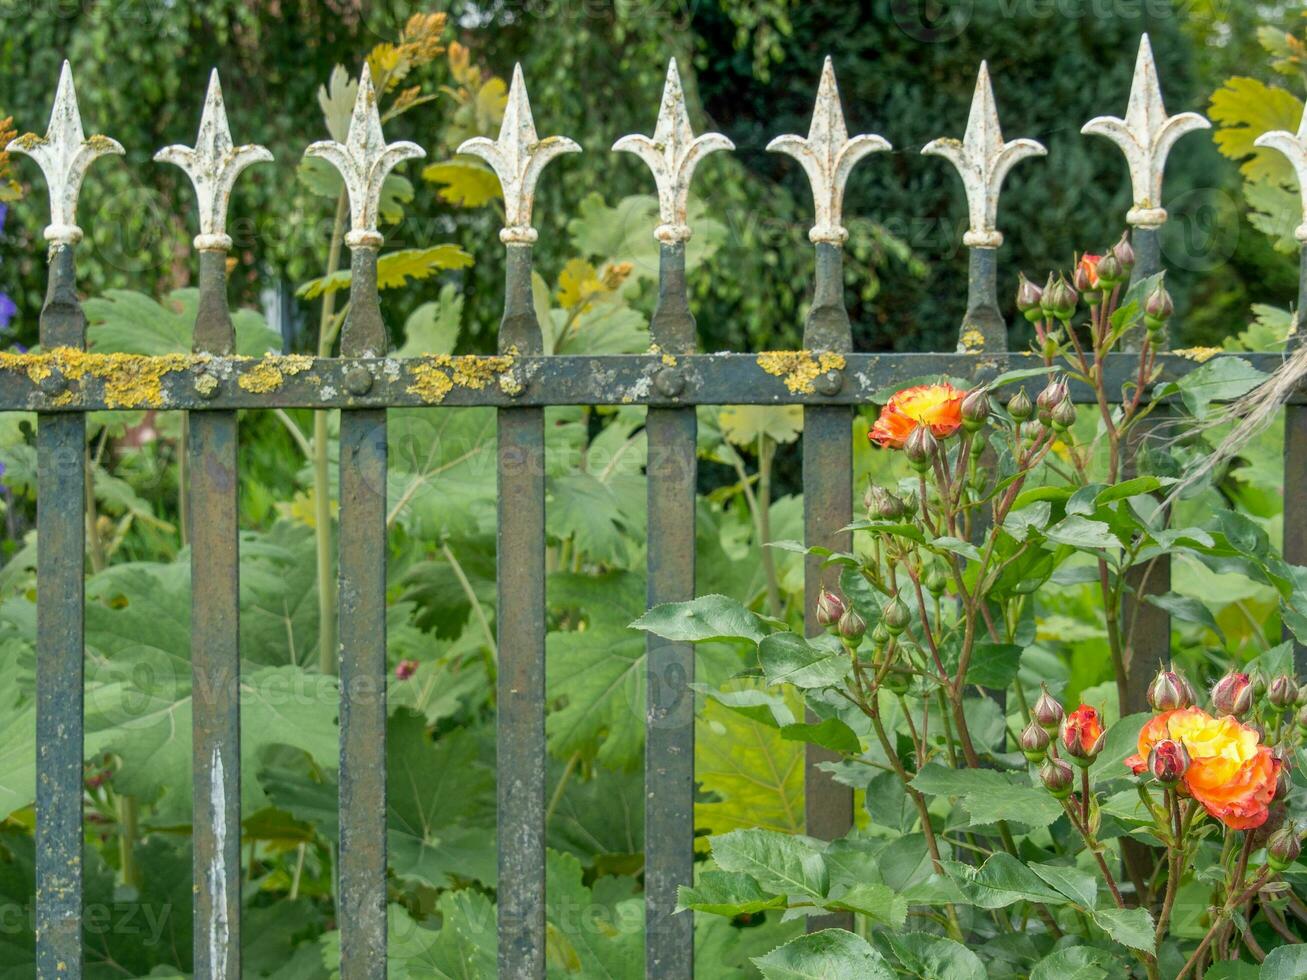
{"x": 672, "y": 155}
{"x": 983, "y": 160}
{"x": 64, "y": 154}
{"x": 364, "y": 160}
{"x": 518, "y": 157}
{"x": 213, "y": 166}
{"x": 828, "y": 157}
{"x": 1146, "y": 136}
{"x": 1293, "y": 146}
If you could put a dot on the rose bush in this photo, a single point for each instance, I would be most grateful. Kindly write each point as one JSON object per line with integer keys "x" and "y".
{"x": 1003, "y": 833}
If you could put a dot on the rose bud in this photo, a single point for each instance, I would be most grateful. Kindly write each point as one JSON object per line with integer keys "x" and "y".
{"x": 1169, "y": 692}
{"x": 1034, "y": 742}
{"x": 1168, "y": 761}
{"x": 936, "y": 581}
{"x": 975, "y": 410}
{"x": 1059, "y": 299}
{"x": 920, "y": 448}
{"x": 830, "y": 607}
{"x": 1053, "y": 395}
{"x": 1064, "y": 415}
{"x": 895, "y": 616}
{"x": 405, "y": 669}
{"x": 1019, "y": 406}
{"x": 1058, "y": 777}
{"x": 1110, "y": 270}
{"x": 1047, "y": 711}
{"x": 1283, "y": 848}
{"x": 880, "y": 635}
{"x": 1158, "y": 308}
{"x": 1233, "y": 694}
{"x": 1028, "y": 298}
{"x": 851, "y": 626}
{"x": 1083, "y": 735}
{"x": 1124, "y": 252}
{"x": 1282, "y": 692}
{"x": 898, "y": 680}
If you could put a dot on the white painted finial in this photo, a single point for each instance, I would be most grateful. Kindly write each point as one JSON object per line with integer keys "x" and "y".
{"x": 983, "y": 160}
{"x": 1293, "y": 146}
{"x": 518, "y": 157}
{"x": 213, "y": 166}
{"x": 672, "y": 155}
{"x": 1146, "y": 136}
{"x": 364, "y": 160}
{"x": 828, "y": 156}
{"x": 64, "y": 154}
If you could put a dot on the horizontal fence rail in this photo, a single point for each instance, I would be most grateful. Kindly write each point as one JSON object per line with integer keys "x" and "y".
{"x": 64, "y": 382}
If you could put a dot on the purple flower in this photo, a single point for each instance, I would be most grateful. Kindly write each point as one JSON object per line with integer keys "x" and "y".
{"x": 8, "y": 309}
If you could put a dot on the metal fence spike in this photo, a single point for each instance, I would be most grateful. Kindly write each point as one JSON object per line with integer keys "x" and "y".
{"x": 64, "y": 154}
{"x": 1293, "y": 146}
{"x": 213, "y": 165}
{"x": 983, "y": 160}
{"x": 364, "y": 160}
{"x": 1146, "y": 136}
{"x": 518, "y": 156}
{"x": 828, "y": 156}
{"x": 672, "y": 154}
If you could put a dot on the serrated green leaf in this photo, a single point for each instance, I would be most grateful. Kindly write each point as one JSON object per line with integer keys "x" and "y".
{"x": 709, "y": 617}
{"x": 1244, "y": 108}
{"x": 597, "y": 676}
{"x": 728, "y": 893}
{"x": 924, "y": 955}
{"x": 825, "y": 955}
{"x": 788, "y": 658}
{"x": 784, "y": 863}
{"x": 463, "y": 183}
{"x": 394, "y": 269}
{"x": 1129, "y": 927}
{"x": 434, "y": 326}
{"x": 831, "y": 733}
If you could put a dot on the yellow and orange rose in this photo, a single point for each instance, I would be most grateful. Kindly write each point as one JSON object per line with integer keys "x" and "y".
{"x": 937, "y": 406}
{"x": 1230, "y": 772}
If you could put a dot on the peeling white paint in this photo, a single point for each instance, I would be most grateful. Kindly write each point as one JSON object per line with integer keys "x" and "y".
{"x": 1294, "y": 147}
{"x": 218, "y": 925}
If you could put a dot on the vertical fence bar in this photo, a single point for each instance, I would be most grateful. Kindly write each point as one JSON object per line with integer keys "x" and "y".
{"x": 1295, "y": 461}
{"x": 362, "y": 631}
{"x": 827, "y": 507}
{"x": 669, "y": 733}
{"x": 60, "y": 599}
{"x": 1148, "y": 643}
{"x": 215, "y": 650}
{"x": 520, "y": 727}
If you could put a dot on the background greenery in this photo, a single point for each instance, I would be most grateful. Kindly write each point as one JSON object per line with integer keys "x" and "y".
{"x": 595, "y": 71}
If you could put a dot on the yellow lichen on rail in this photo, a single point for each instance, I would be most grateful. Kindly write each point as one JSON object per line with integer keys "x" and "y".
{"x": 1200, "y": 354}
{"x": 269, "y": 373}
{"x": 130, "y": 380}
{"x": 435, "y": 377}
{"x": 799, "y": 368}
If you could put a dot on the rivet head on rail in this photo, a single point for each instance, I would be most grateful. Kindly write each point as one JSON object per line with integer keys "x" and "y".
{"x": 206, "y": 385}
{"x": 670, "y": 382}
{"x": 831, "y": 382}
{"x": 53, "y": 384}
{"x": 358, "y": 380}
{"x": 513, "y": 382}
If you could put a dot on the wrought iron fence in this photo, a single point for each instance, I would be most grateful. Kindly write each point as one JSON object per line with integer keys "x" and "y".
{"x": 64, "y": 382}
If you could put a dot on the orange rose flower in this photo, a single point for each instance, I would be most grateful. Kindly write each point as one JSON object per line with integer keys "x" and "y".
{"x": 1082, "y": 732}
{"x": 1230, "y": 773}
{"x": 938, "y": 406}
{"x": 1089, "y": 266}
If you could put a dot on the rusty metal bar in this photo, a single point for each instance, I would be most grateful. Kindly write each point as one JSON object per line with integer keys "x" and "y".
{"x": 362, "y": 632}
{"x": 1295, "y": 463}
{"x": 60, "y": 600}
{"x": 669, "y": 730}
{"x": 215, "y": 651}
{"x": 827, "y": 507}
{"x": 520, "y": 728}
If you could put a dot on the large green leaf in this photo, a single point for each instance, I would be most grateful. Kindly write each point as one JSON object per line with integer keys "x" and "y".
{"x": 394, "y": 269}
{"x": 783, "y": 863}
{"x": 1129, "y": 927}
{"x": 597, "y": 678}
{"x": 825, "y": 955}
{"x": 728, "y": 893}
{"x": 924, "y": 955}
{"x": 709, "y": 617}
{"x": 124, "y": 321}
{"x": 990, "y": 796}
{"x": 788, "y": 658}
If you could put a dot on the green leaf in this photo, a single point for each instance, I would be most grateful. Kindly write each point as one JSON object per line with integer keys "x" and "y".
{"x": 727, "y": 893}
{"x": 394, "y": 269}
{"x": 1186, "y": 609}
{"x": 788, "y": 658}
{"x": 1132, "y": 488}
{"x": 744, "y": 424}
{"x": 17, "y": 753}
{"x": 1223, "y": 379}
{"x": 709, "y": 617}
{"x": 1000, "y": 882}
{"x": 124, "y": 321}
{"x": 832, "y": 733}
{"x": 434, "y": 326}
{"x": 1129, "y": 927}
{"x": 1244, "y": 108}
{"x": 785, "y": 863}
{"x": 598, "y": 676}
{"x": 463, "y": 183}
{"x": 990, "y": 796}
{"x": 1079, "y": 886}
{"x": 1080, "y": 532}
{"x": 876, "y": 901}
{"x": 1080, "y": 963}
{"x": 1122, "y": 741}
{"x": 824, "y": 955}
{"x": 994, "y": 665}
{"x": 924, "y": 955}
{"x": 1285, "y": 961}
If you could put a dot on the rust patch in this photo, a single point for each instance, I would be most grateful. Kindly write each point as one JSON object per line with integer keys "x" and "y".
{"x": 799, "y": 369}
